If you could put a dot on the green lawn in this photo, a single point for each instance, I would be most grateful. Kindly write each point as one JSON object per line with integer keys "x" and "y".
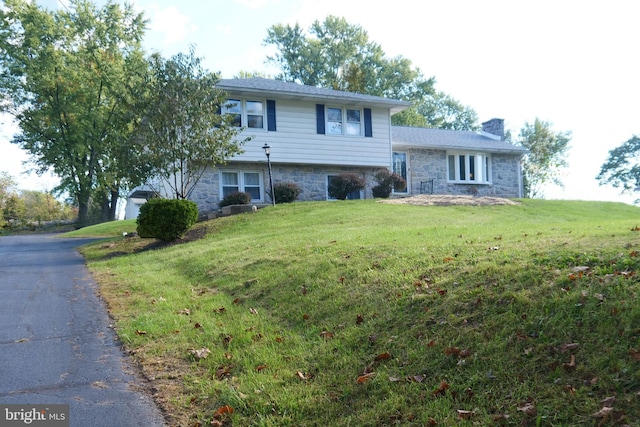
{"x": 359, "y": 313}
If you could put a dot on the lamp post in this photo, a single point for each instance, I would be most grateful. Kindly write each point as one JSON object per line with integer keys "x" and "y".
{"x": 267, "y": 151}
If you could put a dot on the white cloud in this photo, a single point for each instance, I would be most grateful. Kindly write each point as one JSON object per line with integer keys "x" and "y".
{"x": 252, "y": 4}
{"x": 171, "y": 23}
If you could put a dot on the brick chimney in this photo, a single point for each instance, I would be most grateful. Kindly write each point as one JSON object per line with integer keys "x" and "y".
{"x": 494, "y": 127}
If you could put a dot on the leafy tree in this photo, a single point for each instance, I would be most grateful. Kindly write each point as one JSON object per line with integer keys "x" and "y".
{"x": 71, "y": 78}
{"x": 622, "y": 167}
{"x": 546, "y": 156}
{"x": 42, "y": 206}
{"x": 339, "y": 56}
{"x": 7, "y": 189}
{"x": 14, "y": 211}
{"x": 183, "y": 132}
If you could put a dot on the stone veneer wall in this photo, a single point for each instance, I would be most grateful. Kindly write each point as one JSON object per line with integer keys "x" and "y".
{"x": 312, "y": 180}
{"x": 429, "y": 164}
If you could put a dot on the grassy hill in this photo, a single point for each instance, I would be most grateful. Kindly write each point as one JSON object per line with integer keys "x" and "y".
{"x": 364, "y": 314}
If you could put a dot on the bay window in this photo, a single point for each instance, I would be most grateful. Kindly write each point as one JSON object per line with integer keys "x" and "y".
{"x": 469, "y": 168}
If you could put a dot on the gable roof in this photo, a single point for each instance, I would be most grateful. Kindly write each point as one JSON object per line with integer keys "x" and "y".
{"x": 258, "y": 86}
{"x": 415, "y": 137}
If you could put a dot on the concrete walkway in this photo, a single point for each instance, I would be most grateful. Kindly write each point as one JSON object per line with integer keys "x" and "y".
{"x": 56, "y": 345}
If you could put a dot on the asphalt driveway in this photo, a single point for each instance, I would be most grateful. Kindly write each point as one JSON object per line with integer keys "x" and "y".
{"x": 56, "y": 345}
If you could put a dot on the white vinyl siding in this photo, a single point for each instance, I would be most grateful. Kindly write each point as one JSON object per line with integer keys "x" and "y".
{"x": 297, "y": 140}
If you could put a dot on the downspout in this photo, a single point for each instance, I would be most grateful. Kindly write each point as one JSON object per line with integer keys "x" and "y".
{"x": 520, "y": 188}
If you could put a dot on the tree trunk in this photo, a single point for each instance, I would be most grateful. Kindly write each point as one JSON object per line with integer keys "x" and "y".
{"x": 83, "y": 213}
{"x": 113, "y": 211}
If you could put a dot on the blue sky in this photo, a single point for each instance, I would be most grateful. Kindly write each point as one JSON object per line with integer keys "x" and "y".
{"x": 572, "y": 63}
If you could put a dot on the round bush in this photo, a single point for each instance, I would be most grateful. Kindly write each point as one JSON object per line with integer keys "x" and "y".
{"x": 286, "y": 192}
{"x": 236, "y": 198}
{"x": 387, "y": 181}
{"x": 346, "y": 183}
{"x": 166, "y": 219}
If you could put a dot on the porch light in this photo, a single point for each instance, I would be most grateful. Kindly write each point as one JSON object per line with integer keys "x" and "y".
{"x": 267, "y": 151}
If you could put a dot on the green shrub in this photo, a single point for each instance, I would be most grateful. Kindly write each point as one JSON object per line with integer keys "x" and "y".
{"x": 236, "y": 198}
{"x": 286, "y": 192}
{"x": 387, "y": 182}
{"x": 341, "y": 185}
{"x": 166, "y": 219}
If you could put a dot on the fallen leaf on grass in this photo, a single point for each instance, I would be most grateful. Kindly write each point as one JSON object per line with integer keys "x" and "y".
{"x": 326, "y": 335}
{"x": 383, "y": 356}
{"x": 359, "y": 319}
{"x": 139, "y": 332}
{"x": 608, "y": 402}
{"x": 222, "y": 411}
{"x": 500, "y": 418}
{"x": 635, "y": 354}
{"x": 571, "y": 365}
{"x": 465, "y": 415}
{"x": 603, "y": 413}
{"x": 442, "y": 389}
{"x": 200, "y": 353}
{"x": 261, "y": 368}
{"x": 223, "y": 371}
{"x": 219, "y": 310}
{"x": 226, "y": 339}
{"x": 185, "y": 311}
{"x": 364, "y": 378}
{"x": 253, "y": 311}
{"x": 415, "y": 378}
{"x": 303, "y": 376}
{"x": 569, "y": 347}
{"x": 529, "y": 409}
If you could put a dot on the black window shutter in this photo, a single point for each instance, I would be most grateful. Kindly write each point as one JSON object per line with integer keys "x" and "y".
{"x": 368, "y": 130}
{"x": 320, "y": 118}
{"x": 271, "y": 115}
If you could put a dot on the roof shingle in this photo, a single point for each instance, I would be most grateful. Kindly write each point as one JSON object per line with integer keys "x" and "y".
{"x": 290, "y": 90}
{"x": 450, "y": 139}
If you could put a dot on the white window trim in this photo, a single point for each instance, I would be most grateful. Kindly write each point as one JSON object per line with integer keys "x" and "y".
{"x": 480, "y": 159}
{"x": 244, "y": 116}
{"x": 406, "y": 165}
{"x": 241, "y": 183}
{"x": 344, "y": 121}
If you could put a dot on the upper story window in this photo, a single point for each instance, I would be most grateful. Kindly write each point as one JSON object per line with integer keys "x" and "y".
{"x": 248, "y": 113}
{"x": 469, "y": 168}
{"x": 344, "y": 121}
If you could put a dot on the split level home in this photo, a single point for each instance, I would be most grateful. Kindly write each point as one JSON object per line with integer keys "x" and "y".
{"x": 316, "y": 134}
